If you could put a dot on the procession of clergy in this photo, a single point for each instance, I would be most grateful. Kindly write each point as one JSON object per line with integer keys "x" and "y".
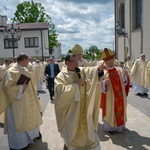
{"x": 132, "y": 74}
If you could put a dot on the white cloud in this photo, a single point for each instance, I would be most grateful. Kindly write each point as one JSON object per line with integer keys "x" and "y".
{"x": 84, "y": 22}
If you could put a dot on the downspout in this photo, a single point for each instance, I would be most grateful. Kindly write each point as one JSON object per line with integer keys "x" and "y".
{"x": 116, "y": 50}
{"x": 130, "y": 30}
{"x": 48, "y": 43}
{"x": 142, "y": 30}
{"x": 42, "y": 45}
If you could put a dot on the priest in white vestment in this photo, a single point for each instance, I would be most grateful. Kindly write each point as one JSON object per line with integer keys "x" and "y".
{"x": 21, "y": 106}
{"x": 78, "y": 50}
{"x": 113, "y": 98}
{"x": 147, "y": 78}
{"x": 138, "y": 75}
{"x": 77, "y": 99}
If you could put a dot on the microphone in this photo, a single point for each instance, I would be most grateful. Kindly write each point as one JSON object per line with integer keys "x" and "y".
{"x": 78, "y": 72}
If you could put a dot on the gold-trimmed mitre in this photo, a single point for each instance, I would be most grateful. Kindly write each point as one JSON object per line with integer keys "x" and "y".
{"x": 77, "y": 49}
{"x": 107, "y": 54}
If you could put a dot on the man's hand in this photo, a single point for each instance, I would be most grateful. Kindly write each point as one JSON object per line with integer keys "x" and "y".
{"x": 106, "y": 81}
{"x": 102, "y": 66}
{"x": 80, "y": 82}
{"x": 25, "y": 86}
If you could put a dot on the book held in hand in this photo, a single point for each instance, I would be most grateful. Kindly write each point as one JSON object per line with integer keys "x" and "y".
{"x": 22, "y": 79}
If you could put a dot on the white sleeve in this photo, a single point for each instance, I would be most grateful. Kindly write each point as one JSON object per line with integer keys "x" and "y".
{"x": 77, "y": 94}
{"x": 20, "y": 92}
{"x": 104, "y": 86}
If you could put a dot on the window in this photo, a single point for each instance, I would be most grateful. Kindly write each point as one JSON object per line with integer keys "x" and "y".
{"x": 8, "y": 43}
{"x": 121, "y": 14}
{"x": 138, "y": 13}
{"x": 31, "y": 42}
{"x": 122, "y": 17}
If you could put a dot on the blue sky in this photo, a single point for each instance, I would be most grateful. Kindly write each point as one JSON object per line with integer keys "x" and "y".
{"x": 84, "y": 22}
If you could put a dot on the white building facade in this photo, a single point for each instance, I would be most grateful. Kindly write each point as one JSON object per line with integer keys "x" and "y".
{"x": 57, "y": 52}
{"x": 134, "y": 18}
{"x": 34, "y": 40}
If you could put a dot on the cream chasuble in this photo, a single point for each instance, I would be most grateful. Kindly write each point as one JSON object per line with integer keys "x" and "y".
{"x": 26, "y": 111}
{"x": 147, "y": 75}
{"x": 76, "y": 109}
{"x": 138, "y": 72}
{"x": 38, "y": 73}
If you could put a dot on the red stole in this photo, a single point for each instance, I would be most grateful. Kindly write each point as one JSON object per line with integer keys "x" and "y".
{"x": 118, "y": 97}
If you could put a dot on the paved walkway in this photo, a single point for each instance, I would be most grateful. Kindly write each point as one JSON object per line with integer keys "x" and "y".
{"x": 135, "y": 137}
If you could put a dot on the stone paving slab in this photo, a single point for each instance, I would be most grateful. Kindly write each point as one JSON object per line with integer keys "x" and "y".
{"x": 135, "y": 137}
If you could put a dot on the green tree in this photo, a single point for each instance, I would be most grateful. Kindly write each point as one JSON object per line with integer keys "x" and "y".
{"x": 34, "y": 12}
{"x": 52, "y": 38}
{"x": 92, "y": 53}
{"x": 31, "y": 12}
{"x": 69, "y": 51}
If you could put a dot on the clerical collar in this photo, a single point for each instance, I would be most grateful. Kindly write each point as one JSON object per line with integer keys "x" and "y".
{"x": 70, "y": 70}
{"x": 111, "y": 68}
{"x": 21, "y": 67}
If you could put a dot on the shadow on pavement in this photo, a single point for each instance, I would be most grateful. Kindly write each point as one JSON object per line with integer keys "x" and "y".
{"x": 38, "y": 145}
{"x": 1, "y": 125}
{"x": 142, "y": 96}
{"x": 128, "y": 139}
{"x": 41, "y": 92}
{"x": 52, "y": 101}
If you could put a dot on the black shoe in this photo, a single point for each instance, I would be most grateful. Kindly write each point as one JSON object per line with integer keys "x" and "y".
{"x": 52, "y": 101}
{"x": 145, "y": 94}
{"x": 1, "y": 125}
{"x": 65, "y": 147}
{"x": 52, "y": 98}
{"x": 25, "y": 148}
{"x": 41, "y": 114}
{"x": 112, "y": 132}
{"x": 139, "y": 94}
{"x": 39, "y": 137}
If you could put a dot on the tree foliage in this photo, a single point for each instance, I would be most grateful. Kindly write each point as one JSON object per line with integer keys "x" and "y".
{"x": 92, "y": 53}
{"x": 34, "y": 12}
{"x": 31, "y": 12}
{"x": 69, "y": 51}
{"x": 52, "y": 38}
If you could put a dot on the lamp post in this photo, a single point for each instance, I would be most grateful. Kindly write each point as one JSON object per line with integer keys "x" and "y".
{"x": 121, "y": 31}
{"x": 12, "y": 31}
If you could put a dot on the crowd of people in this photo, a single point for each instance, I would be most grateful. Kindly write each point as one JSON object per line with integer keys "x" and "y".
{"x": 91, "y": 86}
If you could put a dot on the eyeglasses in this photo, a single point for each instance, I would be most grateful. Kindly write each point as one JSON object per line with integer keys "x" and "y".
{"x": 73, "y": 61}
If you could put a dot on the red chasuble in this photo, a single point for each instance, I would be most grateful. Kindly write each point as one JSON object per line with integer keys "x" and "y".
{"x": 118, "y": 97}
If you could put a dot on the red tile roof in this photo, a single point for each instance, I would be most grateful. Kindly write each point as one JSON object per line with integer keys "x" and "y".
{"x": 28, "y": 26}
